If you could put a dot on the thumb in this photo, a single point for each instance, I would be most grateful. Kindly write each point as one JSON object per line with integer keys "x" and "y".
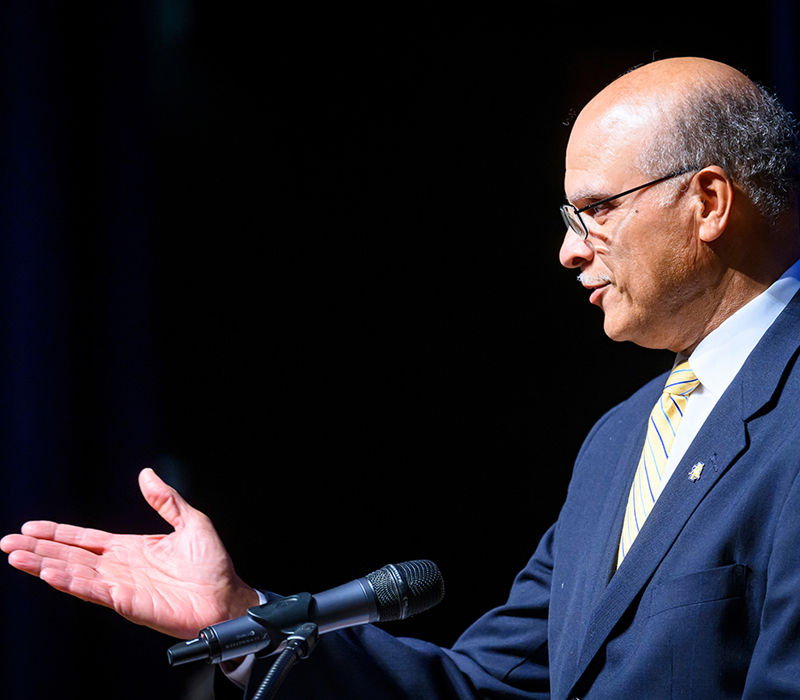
{"x": 164, "y": 499}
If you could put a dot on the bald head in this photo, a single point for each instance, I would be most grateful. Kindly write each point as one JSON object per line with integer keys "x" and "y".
{"x": 687, "y": 113}
{"x": 644, "y": 104}
{"x": 669, "y": 81}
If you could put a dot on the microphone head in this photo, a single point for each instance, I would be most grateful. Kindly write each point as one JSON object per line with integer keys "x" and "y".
{"x": 403, "y": 590}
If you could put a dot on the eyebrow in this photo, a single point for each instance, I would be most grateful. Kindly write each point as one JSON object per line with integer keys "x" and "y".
{"x": 587, "y": 195}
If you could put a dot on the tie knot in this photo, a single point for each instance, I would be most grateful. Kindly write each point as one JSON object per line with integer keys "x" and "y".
{"x": 681, "y": 381}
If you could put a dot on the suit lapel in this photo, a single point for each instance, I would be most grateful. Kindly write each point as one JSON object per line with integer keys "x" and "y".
{"x": 610, "y": 524}
{"x": 717, "y": 446}
{"x": 722, "y": 438}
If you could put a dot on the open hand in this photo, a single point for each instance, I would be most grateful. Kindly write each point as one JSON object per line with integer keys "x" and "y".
{"x": 176, "y": 583}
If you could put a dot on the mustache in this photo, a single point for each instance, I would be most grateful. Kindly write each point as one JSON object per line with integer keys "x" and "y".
{"x": 588, "y": 280}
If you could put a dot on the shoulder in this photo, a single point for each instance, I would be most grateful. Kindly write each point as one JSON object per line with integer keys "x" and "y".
{"x": 626, "y": 416}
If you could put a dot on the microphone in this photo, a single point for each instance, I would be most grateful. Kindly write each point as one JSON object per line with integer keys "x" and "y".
{"x": 395, "y": 592}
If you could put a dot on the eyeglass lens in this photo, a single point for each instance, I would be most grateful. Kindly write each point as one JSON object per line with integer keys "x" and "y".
{"x": 573, "y": 221}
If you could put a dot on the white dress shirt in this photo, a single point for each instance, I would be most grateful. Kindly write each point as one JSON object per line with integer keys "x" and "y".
{"x": 721, "y": 354}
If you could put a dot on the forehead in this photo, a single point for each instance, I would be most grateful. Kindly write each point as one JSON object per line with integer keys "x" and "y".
{"x": 602, "y": 151}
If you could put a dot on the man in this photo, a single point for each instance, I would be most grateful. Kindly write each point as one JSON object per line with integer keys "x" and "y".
{"x": 672, "y": 570}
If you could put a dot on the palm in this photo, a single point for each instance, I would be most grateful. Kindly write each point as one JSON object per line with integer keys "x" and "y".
{"x": 176, "y": 583}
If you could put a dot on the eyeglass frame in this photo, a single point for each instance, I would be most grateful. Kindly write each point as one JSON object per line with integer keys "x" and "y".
{"x": 584, "y": 234}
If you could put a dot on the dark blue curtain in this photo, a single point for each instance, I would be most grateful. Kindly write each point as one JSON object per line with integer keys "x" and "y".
{"x": 78, "y": 366}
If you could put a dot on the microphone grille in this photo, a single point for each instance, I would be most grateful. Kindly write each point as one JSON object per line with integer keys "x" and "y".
{"x": 403, "y": 590}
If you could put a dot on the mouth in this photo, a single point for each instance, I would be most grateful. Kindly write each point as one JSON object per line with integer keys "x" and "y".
{"x": 594, "y": 297}
{"x": 596, "y": 284}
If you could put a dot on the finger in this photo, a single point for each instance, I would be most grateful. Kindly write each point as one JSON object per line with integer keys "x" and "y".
{"x": 11, "y": 542}
{"x": 81, "y": 582}
{"x": 26, "y": 561}
{"x": 66, "y": 553}
{"x": 84, "y": 537}
{"x": 26, "y": 553}
{"x": 33, "y": 563}
{"x": 70, "y": 575}
{"x": 164, "y": 499}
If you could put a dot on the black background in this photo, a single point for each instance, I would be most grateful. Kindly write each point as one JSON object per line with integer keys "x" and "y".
{"x": 305, "y": 266}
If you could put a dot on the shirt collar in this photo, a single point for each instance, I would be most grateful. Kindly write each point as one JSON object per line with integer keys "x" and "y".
{"x": 721, "y": 354}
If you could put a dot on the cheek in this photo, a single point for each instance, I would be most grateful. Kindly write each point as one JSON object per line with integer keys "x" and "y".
{"x": 656, "y": 266}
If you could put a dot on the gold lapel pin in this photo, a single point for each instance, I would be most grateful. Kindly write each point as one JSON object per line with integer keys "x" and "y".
{"x": 696, "y": 471}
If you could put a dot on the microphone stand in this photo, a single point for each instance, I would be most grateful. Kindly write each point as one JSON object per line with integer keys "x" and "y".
{"x": 287, "y": 622}
{"x": 299, "y": 645}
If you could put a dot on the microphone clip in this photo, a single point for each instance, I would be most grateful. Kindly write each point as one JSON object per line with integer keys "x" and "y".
{"x": 283, "y": 619}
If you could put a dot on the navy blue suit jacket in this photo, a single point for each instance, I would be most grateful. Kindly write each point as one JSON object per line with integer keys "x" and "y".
{"x": 706, "y": 605}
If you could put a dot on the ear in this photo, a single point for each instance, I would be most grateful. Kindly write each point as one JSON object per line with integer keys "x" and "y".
{"x": 715, "y": 193}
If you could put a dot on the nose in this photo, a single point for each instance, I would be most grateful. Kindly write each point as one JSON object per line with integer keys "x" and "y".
{"x": 575, "y": 252}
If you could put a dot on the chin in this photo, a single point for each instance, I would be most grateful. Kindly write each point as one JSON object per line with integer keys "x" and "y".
{"x": 626, "y": 331}
{"x": 651, "y": 341}
{"x": 614, "y": 330}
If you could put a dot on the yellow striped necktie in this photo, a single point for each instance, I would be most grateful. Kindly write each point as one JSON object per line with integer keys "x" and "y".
{"x": 661, "y": 429}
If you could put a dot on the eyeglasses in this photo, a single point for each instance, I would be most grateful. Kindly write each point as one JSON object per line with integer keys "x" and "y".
{"x": 572, "y": 215}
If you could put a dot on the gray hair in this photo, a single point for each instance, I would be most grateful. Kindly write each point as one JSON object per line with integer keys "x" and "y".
{"x": 740, "y": 127}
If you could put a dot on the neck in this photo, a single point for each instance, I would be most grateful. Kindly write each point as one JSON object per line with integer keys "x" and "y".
{"x": 736, "y": 289}
{"x": 743, "y": 263}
